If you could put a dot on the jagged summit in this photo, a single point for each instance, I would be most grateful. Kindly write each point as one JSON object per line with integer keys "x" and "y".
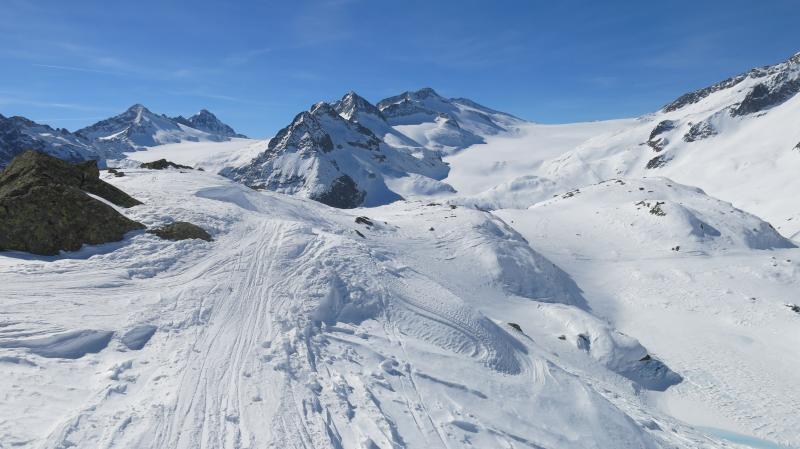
{"x": 353, "y": 107}
{"x": 206, "y": 121}
{"x": 409, "y": 95}
{"x": 139, "y": 127}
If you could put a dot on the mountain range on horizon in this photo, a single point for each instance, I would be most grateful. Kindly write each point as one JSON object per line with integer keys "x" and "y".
{"x": 351, "y": 152}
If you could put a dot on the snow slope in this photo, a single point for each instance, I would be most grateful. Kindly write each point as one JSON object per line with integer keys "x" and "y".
{"x": 210, "y": 156}
{"x": 299, "y": 326}
{"x": 505, "y": 157}
{"x": 714, "y": 309}
{"x": 737, "y": 140}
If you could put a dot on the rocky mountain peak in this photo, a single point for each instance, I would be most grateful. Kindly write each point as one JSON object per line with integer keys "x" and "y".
{"x": 206, "y": 121}
{"x": 322, "y": 108}
{"x": 352, "y": 106}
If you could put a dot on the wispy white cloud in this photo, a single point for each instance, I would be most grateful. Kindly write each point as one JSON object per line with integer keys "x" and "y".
{"x": 75, "y": 69}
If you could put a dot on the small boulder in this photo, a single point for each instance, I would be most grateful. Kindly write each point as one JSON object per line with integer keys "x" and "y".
{"x": 364, "y": 220}
{"x": 181, "y": 230}
{"x": 162, "y": 164}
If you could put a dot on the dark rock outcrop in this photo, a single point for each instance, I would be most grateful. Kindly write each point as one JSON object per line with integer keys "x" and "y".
{"x": 44, "y": 207}
{"x": 343, "y": 194}
{"x": 656, "y": 141}
{"x": 658, "y": 161}
{"x": 162, "y": 164}
{"x": 181, "y": 230}
{"x": 699, "y": 131}
{"x": 766, "y": 95}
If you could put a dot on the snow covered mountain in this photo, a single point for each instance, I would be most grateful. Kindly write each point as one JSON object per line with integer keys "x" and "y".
{"x": 207, "y": 122}
{"x": 137, "y": 127}
{"x": 445, "y": 124}
{"x": 18, "y": 134}
{"x": 351, "y": 153}
{"x": 737, "y": 139}
{"x": 338, "y": 161}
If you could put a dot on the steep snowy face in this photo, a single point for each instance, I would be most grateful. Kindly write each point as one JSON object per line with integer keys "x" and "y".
{"x": 18, "y": 134}
{"x": 208, "y": 122}
{"x": 339, "y": 162}
{"x": 138, "y": 127}
{"x": 444, "y": 124}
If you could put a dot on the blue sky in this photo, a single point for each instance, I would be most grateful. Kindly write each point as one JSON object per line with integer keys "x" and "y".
{"x": 257, "y": 63}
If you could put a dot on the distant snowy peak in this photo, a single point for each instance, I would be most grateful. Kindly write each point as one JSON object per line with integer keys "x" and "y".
{"x": 138, "y": 127}
{"x": 18, "y": 134}
{"x": 334, "y": 160}
{"x": 208, "y": 122}
{"x": 445, "y": 124}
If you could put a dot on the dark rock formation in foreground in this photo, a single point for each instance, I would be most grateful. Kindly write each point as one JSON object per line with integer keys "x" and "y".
{"x": 181, "y": 230}
{"x": 45, "y": 208}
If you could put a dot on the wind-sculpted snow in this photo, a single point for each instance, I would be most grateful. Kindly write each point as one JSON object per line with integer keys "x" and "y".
{"x": 300, "y": 327}
{"x": 69, "y": 345}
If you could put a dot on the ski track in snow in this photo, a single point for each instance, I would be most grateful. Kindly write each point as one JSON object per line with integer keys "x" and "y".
{"x": 291, "y": 331}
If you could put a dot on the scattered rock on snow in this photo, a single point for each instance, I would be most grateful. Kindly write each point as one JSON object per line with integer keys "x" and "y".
{"x": 364, "y": 221}
{"x": 181, "y": 230}
{"x": 658, "y": 161}
{"x": 162, "y": 164}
